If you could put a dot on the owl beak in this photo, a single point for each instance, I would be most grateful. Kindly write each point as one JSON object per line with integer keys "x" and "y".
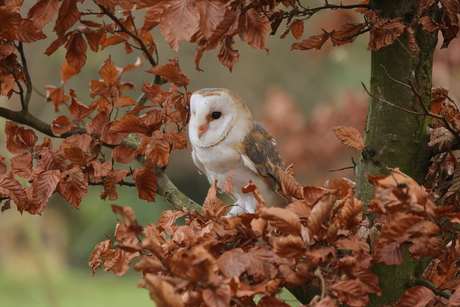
{"x": 202, "y": 129}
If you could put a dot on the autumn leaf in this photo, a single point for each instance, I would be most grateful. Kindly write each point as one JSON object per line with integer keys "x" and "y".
{"x": 257, "y": 28}
{"x": 129, "y": 124}
{"x": 285, "y": 220}
{"x": 296, "y": 27}
{"x": 76, "y": 51}
{"x": 123, "y": 154}
{"x": 22, "y": 165}
{"x": 113, "y": 178}
{"x": 146, "y": 183}
{"x": 68, "y": 15}
{"x": 385, "y": 32}
{"x": 171, "y": 73}
{"x": 227, "y": 55}
{"x": 441, "y": 138}
{"x": 350, "y": 293}
{"x": 109, "y": 72}
{"x": 96, "y": 261}
{"x": 29, "y": 32}
{"x": 19, "y": 139}
{"x": 61, "y": 125}
{"x": 42, "y": 188}
{"x": 346, "y": 33}
{"x": 67, "y": 72}
{"x": 179, "y": 22}
{"x": 313, "y": 42}
{"x": 157, "y": 152}
{"x": 162, "y": 292}
{"x": 73, "y": 186}
{"x": 350, "y": 137}
{"x": 168, "y": 219}
{"x": 415, "y": 296}
{"x": 319, "y": 213}
{"x": 43, "y": 12}
{"x": 12, "y": 188}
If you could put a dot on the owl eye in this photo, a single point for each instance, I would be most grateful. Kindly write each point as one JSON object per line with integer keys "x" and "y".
{"x": 216, "y": 115}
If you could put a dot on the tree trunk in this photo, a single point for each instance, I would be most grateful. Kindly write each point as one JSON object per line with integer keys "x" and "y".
{"x": 393, "y": 137}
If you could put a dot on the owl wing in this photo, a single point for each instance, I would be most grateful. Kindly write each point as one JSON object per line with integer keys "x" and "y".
{"x": 260, "y": 155}
{"x": 199, "y": 166}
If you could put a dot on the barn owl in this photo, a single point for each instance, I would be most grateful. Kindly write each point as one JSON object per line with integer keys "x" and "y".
{"x": 224, "y": 138}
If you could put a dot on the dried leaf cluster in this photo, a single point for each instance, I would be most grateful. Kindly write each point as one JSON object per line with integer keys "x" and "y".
{"x": 318, "y": 242}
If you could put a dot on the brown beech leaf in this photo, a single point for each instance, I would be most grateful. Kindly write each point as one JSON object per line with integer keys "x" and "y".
{"x": 123, "y": 154}
{"x": 441, "y": 138}
{"x": 212, "y": 204}
{"x": 417, "y": 296}
{"x": 288, "y": 247}
{"x": 11, "y": 187}
{"x": 43, "y": 12}
{"x": 109, "y": 72}
{"x": 158, "y": 152}
{"x": 350, "y": 293}
{"x": 77, "y": 109}
{"x": 28, "y": 32}
{"x": 61, "y": 125}
{"x": 350, "y": 137}
{"x": 56, "y": 96}
{"x": 68, "y": 15}
{"x": 285, "y": 220}
{"x": 21, "y": 165}
{"x": 176, "y": 139}
{"x": 257, "y": 28}
{"x": 233, "y": 262}
{"x": 168, "y": 219}
{"x": 19, "y": 139}
{"x": 81, "y": 141}
{"x": 211, "y": 15}
{"x": 179, "y": 22}
{"x": 289, "y": 184}
{"x": 113, "y": 177}
{"x": 428, "y": 24}
{"x": 313, "y": 42}
{"x": 125, "y": 101}
{"x": 385, "y": 32}
{"x": 146, "y": 183}
{"x": 219, "y": 296}
{"x": 162, "y": 292}
{"x": 96, "y": 260}
{"x": 171, "y": 73}
{"x": 296, "y": 27}
{"x": 129, "y": 124}
{"x": 73, "y": 186}
{"x": 319, "y": 213}
{"x": 42, "y": 188}
{"x": 449, "y": 284}
{"x": 67, "y": 72}
{"x": 112, "y": 40}
{"x": 53, "y": 159}
{"x": 413, "y": 46}
{"x": 346, "y": 33}
{"x": 227, "y": 55}
{"x": 76, "y": 51}
{"x": 454, "y": 300}
{"x": 342, "y": 186}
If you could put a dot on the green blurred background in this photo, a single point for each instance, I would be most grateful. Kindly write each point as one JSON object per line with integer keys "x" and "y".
{"x": 298, "y": 95}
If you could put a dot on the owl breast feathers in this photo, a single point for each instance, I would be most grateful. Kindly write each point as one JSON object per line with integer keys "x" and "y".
{"x": 224, "y": 138}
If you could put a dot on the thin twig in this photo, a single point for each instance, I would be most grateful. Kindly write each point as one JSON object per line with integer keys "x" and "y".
{"x": 28, "y": 81}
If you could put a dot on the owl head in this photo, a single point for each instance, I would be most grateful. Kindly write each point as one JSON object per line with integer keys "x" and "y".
{"x": 217, "y": 114}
